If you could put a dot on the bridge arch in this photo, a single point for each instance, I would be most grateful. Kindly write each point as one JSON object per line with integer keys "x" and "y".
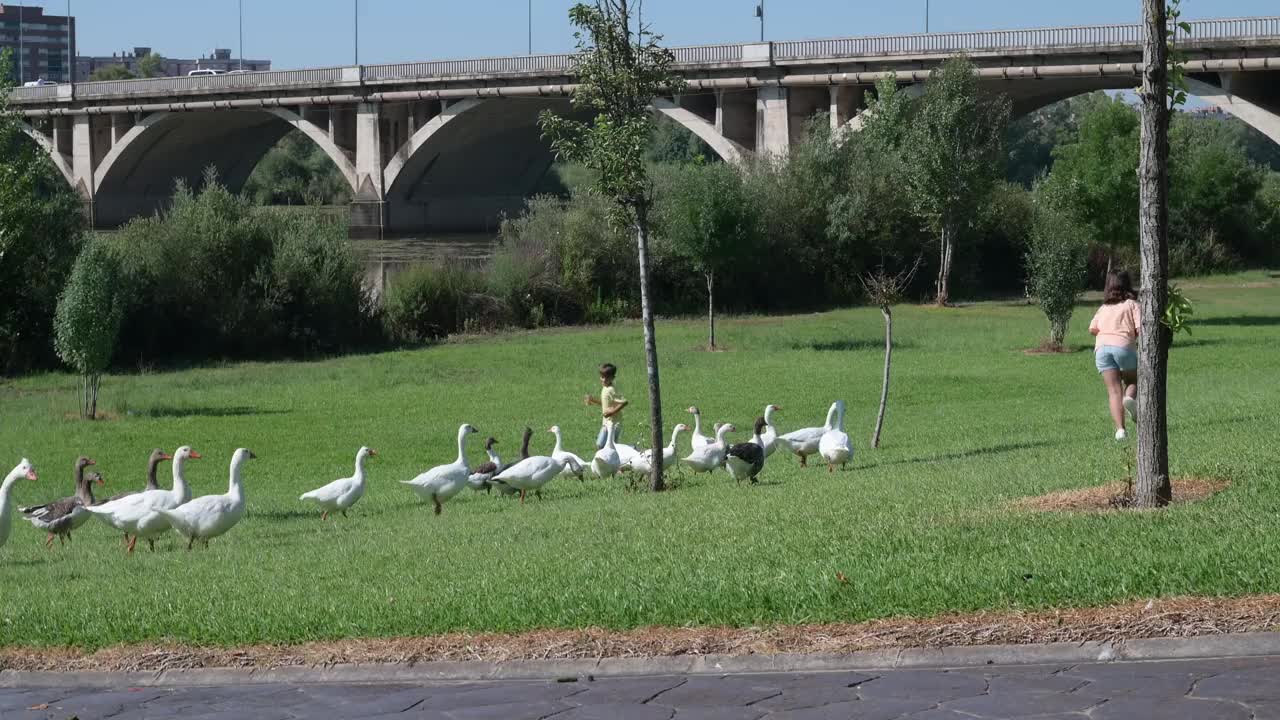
{"x": 60, "y": 161}
{"x": 728, "y": 150}
{"x": 137, "y": 175}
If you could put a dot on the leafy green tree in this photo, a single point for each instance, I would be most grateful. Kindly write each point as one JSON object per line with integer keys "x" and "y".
{"x": 954, "y": 156}
{"x": 1057, "y": 262}
{"x": 151, "y": 65}
{"x": 88, "y": 321}
{"x": 1100, "y": 168}
{"x": 112, "y": 72}
{"x": 674, "y": 143}
{"x": 621, "y": 67}
{"x": 297, "y": 172}
{"x": 41, "y": 228}
{"x": 710, "y": 219}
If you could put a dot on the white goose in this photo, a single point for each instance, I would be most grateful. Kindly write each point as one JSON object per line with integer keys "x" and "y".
{"x": 710, "y": 457}
{"x": 138, "y": 515}
{"x": 697, "y": 439}
{"x": 212, "y": 515}
{"x": 532, "y": 474}
{"x": 559, "y": 453}
{"x": 340, "y": 495}
{"x": 834, "y": 446}
{"x": 643, "y": 463}
{"x": 23, "y": 469}
{"x": 770, "y": 435}
{"x": 805, "y": 442}
{"x": 441, "y": 483}
{"x": 606, "y": 462}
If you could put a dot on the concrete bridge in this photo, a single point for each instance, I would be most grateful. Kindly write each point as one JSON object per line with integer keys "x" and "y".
{"x": 451, "y": 145}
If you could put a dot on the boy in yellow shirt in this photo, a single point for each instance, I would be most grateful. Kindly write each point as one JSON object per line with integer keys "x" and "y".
{"x": 611, "y": 404}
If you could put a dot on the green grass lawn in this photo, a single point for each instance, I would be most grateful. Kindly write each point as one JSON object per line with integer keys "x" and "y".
{"x": 919, "y": 527}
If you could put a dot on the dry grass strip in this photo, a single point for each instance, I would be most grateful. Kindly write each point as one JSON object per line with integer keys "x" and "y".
{"x": 1104, "y": 498}
{"x": 1176, "y": 617}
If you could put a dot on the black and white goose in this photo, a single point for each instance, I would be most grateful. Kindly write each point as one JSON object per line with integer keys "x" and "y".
{"x": 746, "y": 460}
{"x": 480, "y": 477}
{"x": 60, "y": 517}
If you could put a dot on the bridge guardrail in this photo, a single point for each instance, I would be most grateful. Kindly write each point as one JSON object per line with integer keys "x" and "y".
{"x": 1047, "y": 38}
{"x": 1080, "y": 36}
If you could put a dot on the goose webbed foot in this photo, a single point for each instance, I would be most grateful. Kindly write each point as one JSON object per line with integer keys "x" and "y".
{"x": 151, "y": 543}
{"x": 48, "y": 542}
{"x": 132, "y": 542}
{"x": 324, "y": 516}
{"x": 190, "y": 541}
{"x": 439, "y": 508}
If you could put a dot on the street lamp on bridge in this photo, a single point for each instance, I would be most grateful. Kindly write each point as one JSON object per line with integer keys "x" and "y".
{"x": 760, "y": 14}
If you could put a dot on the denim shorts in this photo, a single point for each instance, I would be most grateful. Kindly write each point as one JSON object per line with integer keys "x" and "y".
{"x": 1120, "y": 359}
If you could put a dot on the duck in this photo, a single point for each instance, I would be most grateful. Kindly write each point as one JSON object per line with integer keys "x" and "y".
{"x": 138, "y": 516}
{"x": 441, "y": 483}
{"x": 697, "y": 439}
{"x": 607, "y": 462}
{"x": 626, "y": 453}
{"x": 24, "y": 469}
{"x": 480, "y": 477}
{"x": 341, "y": 495}
{"x": 559, "y": 453}
{"x": 746, "y": 460}
{"x": 153, "y": 463}
{"x": 805, "y": 442}
{"x": 532, "y": 474}
{"x": 60, "y": 517}
{"x": 770, "y": 435}
{"x": 710, "y": 457}
{"x": 834, "y": 446}
{"x": 209, "y": 516}
{"x": 643, "y": 463}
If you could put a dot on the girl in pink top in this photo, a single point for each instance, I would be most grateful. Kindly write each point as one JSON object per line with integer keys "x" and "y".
{"x": 1116, "y": 326}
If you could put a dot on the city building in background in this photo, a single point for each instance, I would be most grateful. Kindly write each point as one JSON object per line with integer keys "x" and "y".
{"x": 39, "y": 42}
{"x": 220, "y": 60}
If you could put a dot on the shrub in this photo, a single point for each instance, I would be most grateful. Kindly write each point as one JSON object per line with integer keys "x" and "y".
{"x": 1057, "y": 256}
{"x": 428, "y": 302}
{"x": 88, "y": 320}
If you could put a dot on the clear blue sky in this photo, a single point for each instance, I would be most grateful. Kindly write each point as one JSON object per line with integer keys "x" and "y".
{"x": 308, "y": 33}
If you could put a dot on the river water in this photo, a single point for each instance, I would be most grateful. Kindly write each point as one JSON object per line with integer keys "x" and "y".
{"x": 385, "y": 259}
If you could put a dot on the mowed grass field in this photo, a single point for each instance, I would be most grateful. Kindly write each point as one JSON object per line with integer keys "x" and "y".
{"x": 920, "y": 527}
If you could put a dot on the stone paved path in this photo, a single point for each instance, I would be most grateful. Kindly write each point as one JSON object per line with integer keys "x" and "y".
{"x": 1229, "y": 689}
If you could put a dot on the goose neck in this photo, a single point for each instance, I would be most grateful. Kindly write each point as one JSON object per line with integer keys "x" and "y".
{"x": 462, "y": 446}
{"x": 235, "y": 489}
{"x": 559, "y": 443}
{"x": 832, "y": 413}
{"x": 7, "y": 487}
{"x": 180, "y": 489}
{"x": 83, "y": 489}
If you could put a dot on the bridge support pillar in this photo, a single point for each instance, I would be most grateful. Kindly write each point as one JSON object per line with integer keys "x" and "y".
{"x": 82, "y": 162}
{"x": 773, "y": 121}
{"x": 369, "y": 206}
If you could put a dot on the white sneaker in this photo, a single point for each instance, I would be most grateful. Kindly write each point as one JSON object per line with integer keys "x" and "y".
{"x": 1121, "y": 435}
{"x": 1131, "y": 407}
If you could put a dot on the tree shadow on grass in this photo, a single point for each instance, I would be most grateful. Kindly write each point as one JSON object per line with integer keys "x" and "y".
{"x": 851, "y": 345}
{"x": 1000, "y": 449}
{"x": 1183, "y": 343}
{"x": 286, "y": 514}
{"x": 167, "y": 411}
{"x": 1239, "y": 321}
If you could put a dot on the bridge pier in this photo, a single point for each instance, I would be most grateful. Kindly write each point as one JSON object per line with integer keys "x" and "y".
{"x": 369, "y": 206}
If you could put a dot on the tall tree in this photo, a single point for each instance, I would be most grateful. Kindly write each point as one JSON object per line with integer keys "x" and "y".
{"x": 955, "y": 155}
{"x": 112, "y": 72}
{"x": 151, "y": 65}
{"x": 1153, "y": 488}
{"x": 621, "y": 67}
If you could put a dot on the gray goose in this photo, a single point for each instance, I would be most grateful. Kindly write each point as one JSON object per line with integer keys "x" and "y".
{"x": 60, "y": 517}
{"x": 480, "y": 477}
{"x": 157, "y": 456}
{"x": 524, "y": 455}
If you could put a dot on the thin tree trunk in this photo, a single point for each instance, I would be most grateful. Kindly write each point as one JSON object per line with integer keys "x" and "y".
{"x": 650, "y": 347}
{"x": 943, "y": 295}
{"x": 1153, "y": 486}
{"x": 884, "y": 384}
{"x": 1057, "y": 334}
{"x": 711, "y": 309}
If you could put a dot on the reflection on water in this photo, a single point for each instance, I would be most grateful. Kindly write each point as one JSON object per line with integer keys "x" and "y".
{"x": 384, "y": 259}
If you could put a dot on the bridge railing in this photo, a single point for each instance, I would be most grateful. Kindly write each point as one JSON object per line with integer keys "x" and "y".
{"x": 1101, "y": 36}
{"x": 1080, "y": 36}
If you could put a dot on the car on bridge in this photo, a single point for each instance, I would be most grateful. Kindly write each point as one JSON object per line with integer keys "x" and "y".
{"x": 39, "y": 82}
{"x": 203, "y": 72}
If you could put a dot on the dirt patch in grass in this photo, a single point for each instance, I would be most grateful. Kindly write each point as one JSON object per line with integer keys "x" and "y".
{"x": 1114, "y": 496}
{"x": 1176, "y": 617}
{"x": 1048, "y": 348}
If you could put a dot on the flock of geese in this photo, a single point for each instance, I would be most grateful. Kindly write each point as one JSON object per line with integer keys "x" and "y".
{"x": 149, "y": 513}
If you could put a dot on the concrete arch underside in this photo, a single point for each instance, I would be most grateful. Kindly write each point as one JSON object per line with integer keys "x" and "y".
{"x": 60, "y": 161}
{"x": 482, "y": 159}
{"x": 138, "y": 175}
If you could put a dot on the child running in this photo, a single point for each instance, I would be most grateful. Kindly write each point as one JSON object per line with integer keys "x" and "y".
{"x": 1116, "y": 326}
{"x": 611, "y": 404}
